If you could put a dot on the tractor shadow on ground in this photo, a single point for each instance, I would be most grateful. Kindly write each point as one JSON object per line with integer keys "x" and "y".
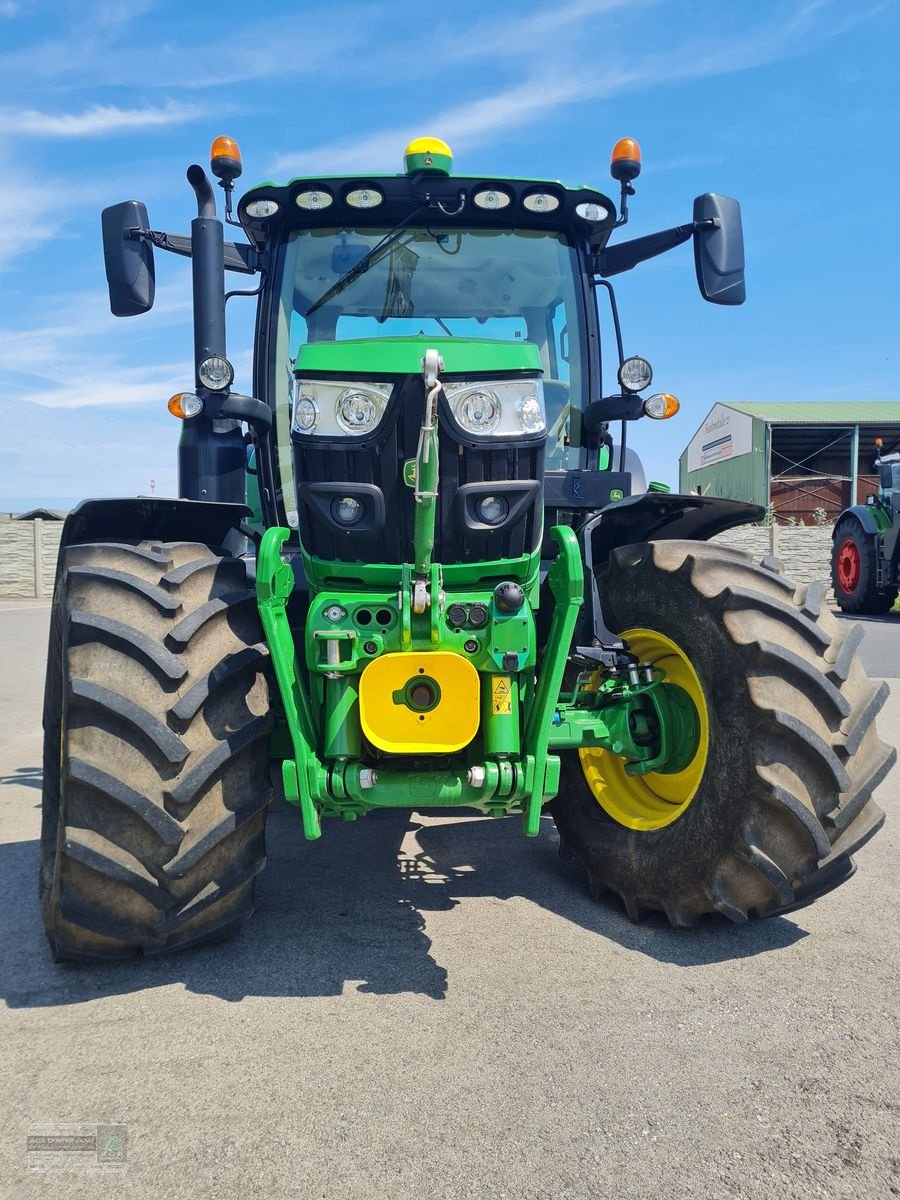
{"x": 352, "y": 911}
{"x": 32, "y": 777}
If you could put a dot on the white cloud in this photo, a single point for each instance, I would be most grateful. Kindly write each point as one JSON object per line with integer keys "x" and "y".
{"x": 559, "y": 79}
{"x": 527, "y": 33}
{"x": 31, "y": 212}
{"x": 60, "y": 457}
{"x": 202, "y": 55}
{"x": 97, "y": 121}
{"x": 77, "y": 359}
{"x": 464, "y": 126}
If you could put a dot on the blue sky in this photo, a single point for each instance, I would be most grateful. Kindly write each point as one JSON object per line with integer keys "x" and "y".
{"x": 790, "y": 105}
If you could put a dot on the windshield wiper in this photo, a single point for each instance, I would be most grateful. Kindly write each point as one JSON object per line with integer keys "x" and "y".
{"x": 364, "y": 263}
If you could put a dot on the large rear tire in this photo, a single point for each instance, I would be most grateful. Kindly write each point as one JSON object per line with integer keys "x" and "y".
{"x": 854, "y": 571}
{"x": 768, "y": 818}
{"x": 156, "y": 716}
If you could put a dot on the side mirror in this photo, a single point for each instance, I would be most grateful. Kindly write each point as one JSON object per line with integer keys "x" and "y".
{"x": 719, "y": 249}
{"x": 130, "y": 272}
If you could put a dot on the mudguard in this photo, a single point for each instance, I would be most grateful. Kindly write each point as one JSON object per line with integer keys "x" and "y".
{"x": 139, "y": 518}
{"x": 658, "y": 515}
{"x": 863, "y": 514}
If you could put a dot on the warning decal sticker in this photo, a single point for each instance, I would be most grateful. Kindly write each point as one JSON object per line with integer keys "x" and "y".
{"x": 501, "y": 696}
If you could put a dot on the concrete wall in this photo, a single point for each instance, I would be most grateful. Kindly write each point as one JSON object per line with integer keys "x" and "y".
{"x": 804, "y": 550}
{"x": 28, "y": 551}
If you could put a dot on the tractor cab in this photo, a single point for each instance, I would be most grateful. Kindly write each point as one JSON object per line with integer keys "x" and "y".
{"x": 496, "y": 277}
{"x": 889, "y": 480}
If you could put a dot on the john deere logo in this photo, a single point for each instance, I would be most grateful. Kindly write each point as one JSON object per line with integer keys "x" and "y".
{"x": 616, "y": 494}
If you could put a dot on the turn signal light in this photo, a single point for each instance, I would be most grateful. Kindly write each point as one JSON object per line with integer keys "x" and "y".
{"x": 225, "y": 158}
{"x": 625, "y": 162}
{"x": 661, "y": 406}
{"x": 185, "y": 405}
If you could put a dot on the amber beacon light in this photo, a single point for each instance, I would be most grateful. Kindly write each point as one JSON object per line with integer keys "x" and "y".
{"x": 625, "y": 161}
{"x": 225, "y": 158}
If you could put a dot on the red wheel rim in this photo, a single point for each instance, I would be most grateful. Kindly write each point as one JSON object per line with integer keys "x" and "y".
{"x": 848, "y": 565}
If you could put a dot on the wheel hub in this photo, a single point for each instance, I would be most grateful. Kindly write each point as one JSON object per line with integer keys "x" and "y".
{"x": 848, "y": 565}
{"x": 656, "y": 799}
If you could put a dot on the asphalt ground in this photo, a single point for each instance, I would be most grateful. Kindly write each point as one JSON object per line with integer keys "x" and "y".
{"x": 435, "y": 1008}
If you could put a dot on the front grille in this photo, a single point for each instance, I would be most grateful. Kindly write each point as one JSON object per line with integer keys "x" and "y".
{"x": 385, "y": 534}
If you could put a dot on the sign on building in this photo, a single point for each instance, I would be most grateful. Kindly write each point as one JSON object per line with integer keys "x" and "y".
{"x": 724, "y": 434}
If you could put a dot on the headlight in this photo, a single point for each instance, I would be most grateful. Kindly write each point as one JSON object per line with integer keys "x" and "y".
{"x": 358, "y": 412}
{"x": 216, "y": 373}
{"x": 492, "y": 509}
{"x": 635, "y": 374}
{"x": 505, "y": 408}
{"x": 531, "y": 414}
{"x": 347, "y": 511}
{"x": 306, "y": 414}
{"x": 478, "y": 411}
{"x": 336, "y": 408}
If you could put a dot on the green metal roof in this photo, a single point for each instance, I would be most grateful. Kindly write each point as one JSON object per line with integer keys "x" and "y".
{"x": 822, "y": 412}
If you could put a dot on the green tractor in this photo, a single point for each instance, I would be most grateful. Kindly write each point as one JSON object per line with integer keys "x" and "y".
{"x": 865, "y": 553}
{"x": 454, "y": 591}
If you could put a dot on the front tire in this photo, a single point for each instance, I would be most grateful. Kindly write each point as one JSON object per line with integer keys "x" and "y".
{"x": 854, "y": 571}
{"x": 156, "y": 717}
{"x": 783, "y": 797}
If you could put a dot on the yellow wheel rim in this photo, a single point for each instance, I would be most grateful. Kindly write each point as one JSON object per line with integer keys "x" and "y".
{"x": 650, "y": 801}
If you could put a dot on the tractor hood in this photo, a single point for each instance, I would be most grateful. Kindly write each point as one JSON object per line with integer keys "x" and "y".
{"x": 403, "y": 356}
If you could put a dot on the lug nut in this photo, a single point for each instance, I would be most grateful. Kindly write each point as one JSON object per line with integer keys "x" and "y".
{"x": 367, "y": 778}
{"x": 475, "y": 777}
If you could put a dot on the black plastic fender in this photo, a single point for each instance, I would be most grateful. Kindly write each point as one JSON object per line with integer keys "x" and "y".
{"x": 658, "y": 515}
{"x": 862, "y": 514}
{"x": 139, "y": 518}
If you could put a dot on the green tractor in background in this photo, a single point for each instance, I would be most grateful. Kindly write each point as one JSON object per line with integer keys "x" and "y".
{"x": 455, "y": 590}
{"x": 865, "y": 554}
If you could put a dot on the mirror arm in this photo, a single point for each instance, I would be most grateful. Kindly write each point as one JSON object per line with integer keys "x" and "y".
{"x": 612, "y": 408}
{"x": 239, "y": 257}
{"x": 613, "y": 260}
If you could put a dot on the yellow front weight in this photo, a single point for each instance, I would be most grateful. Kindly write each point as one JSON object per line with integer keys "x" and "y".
{"x": 412, "y": 703}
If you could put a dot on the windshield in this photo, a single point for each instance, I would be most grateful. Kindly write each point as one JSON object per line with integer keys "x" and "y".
{"x": 440, "y": 282}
